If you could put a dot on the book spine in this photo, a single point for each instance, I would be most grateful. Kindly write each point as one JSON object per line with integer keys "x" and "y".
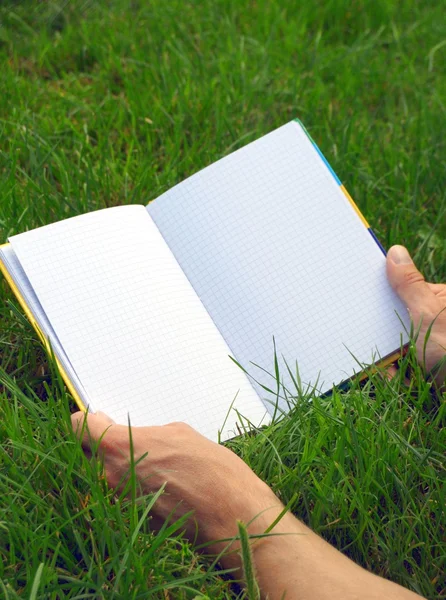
{"x": 343, "y": 189}
{"x": 388, "y": 360}
{"x": 46, "y": 343}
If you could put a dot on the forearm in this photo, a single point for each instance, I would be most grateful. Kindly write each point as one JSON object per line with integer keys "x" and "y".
{"x": 220, "y": 489}
{"x": 302, "y": 565}
{"x": 296, "y": 564}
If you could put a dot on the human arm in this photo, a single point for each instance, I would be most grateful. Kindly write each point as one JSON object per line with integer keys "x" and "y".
{"x": 219, "y": 489}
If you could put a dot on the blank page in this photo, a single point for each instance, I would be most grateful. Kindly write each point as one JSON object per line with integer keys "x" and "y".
{"x": 134, "y": 330}
{"x": 273, "y": 248}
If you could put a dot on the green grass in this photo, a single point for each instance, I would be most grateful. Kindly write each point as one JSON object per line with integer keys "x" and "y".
{"x": 114, "y": 102}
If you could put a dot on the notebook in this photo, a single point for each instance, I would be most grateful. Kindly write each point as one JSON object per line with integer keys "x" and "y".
{"x": 261, "y": 260}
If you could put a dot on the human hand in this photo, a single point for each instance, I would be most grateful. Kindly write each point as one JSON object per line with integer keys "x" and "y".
{"x": 201, "y": 477}
{"x": 220, "y": 489}
{"x": 426, "y": 303}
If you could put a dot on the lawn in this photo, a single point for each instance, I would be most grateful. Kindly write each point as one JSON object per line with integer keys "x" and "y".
{"x": 106, "y": 103}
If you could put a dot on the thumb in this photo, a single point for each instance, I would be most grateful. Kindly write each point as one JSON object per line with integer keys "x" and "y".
{"x": 406, "y": 279}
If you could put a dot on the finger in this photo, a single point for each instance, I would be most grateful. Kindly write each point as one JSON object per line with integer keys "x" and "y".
{"x": 406, "y": 279}
{"x": 391, "y": 372}
{"x": 90, "y": 426}
{"x": 77, "y": 422}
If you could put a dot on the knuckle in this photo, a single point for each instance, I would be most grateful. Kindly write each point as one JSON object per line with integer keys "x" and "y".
{"x": 110, "y": 443}
{"x": 179, "y": 426}
{"x": 412, "y": 277}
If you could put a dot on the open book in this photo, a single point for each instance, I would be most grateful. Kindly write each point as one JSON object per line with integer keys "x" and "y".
{"x": 143, "y": 306}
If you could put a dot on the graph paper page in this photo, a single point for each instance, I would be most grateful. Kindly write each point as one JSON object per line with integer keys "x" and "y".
{"x": 134, "y": 330}
{"x": 273, "y": 248}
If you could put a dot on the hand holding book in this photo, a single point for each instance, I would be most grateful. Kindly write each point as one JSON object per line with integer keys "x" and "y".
{"x": 426, "y": 303}
{"x": 220, "y": 489}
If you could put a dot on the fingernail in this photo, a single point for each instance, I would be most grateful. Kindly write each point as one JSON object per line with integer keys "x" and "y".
{"x": 399, "y": 255}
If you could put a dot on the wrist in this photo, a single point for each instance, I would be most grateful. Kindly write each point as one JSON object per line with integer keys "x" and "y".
{"x": 257, "y": 508}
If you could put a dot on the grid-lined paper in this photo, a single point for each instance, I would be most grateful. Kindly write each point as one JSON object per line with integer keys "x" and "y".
{"x": 273, "y": 248}
{"x": 134, "y": 330}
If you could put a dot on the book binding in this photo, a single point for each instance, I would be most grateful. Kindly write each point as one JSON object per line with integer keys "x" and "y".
{"x": 46, "y": 343}
{"x": 343, "y": 189}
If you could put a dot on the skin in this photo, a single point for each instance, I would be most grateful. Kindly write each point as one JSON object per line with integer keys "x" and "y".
{"x": 219, "y": 489}
{"x": 426, "y": 303}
